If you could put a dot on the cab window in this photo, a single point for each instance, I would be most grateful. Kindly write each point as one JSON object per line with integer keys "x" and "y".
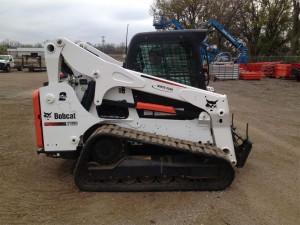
{"x": 169, "y": 60}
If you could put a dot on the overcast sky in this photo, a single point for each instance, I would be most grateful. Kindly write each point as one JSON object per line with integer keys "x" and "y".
{"x": 35, "y": 21}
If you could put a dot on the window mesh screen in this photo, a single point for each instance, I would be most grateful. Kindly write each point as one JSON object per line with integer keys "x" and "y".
{"x": 172, "y": 60}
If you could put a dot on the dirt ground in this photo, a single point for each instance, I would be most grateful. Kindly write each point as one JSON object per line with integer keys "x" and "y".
{"x": 35, "y": 189}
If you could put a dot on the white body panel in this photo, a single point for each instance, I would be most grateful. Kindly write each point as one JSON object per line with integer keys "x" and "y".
{"x": 212, "y": 126}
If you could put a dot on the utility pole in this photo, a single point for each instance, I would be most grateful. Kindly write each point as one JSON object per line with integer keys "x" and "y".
{"x": 103, "y": 40}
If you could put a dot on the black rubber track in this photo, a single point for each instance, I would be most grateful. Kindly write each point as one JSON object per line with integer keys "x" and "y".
{"x": 86, "y": 182}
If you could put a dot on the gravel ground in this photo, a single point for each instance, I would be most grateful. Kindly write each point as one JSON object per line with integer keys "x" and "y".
{"x": 39, "y": 190}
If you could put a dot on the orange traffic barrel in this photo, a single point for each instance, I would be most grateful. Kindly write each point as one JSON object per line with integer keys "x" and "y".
{"x": 282, "y": 70}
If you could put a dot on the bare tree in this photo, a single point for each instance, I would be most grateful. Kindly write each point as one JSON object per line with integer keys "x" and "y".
{"x": 11, "y": 44}
{"x": 188, "y": 12}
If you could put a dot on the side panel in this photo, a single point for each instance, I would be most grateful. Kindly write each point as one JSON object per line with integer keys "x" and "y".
{"x": 63, "y": 118}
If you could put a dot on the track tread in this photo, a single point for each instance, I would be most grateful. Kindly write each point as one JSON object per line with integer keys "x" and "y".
{"x": 209, "y": 151}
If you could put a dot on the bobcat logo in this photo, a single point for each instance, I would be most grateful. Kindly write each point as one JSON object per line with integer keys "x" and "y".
{"x": 211, "y": 104}
{"x": 47, "y": 115}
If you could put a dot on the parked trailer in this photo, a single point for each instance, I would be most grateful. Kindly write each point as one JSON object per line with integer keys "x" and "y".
{"x": 29, "y": 58}
{"x": 33, "y": 62}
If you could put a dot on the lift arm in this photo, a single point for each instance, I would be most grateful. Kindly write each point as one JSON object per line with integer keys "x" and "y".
{"x": 160, "y": 24}
{"x": 243, "y": 51}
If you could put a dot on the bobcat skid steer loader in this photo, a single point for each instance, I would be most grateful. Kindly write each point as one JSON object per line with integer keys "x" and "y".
{"x": 131, "y": 131}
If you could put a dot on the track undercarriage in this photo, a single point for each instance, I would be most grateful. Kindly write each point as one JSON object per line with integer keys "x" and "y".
{"x": 121, "y": 159}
